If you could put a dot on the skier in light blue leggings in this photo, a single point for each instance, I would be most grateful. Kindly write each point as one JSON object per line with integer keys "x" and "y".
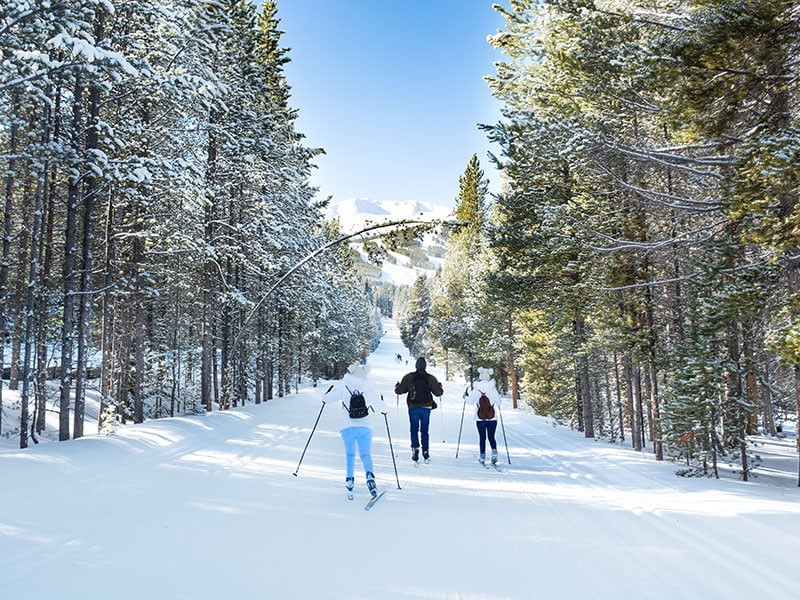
{"x": 362, "y": 438}
{"x": 356, "y": 431}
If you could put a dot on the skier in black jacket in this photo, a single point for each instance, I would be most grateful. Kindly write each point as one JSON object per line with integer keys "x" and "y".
{"x": 420, "y": 386}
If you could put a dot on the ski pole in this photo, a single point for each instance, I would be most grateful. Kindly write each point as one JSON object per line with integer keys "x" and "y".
{"x": 321, "y": 408}
{"x": 391, "y": 449}
{"x": 500, "y": 412}
{"x": 460, "y": 427}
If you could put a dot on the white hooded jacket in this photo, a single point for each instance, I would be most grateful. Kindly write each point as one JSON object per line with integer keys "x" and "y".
{"x": 339, "y": 397}
{"x": 490, "y": 389}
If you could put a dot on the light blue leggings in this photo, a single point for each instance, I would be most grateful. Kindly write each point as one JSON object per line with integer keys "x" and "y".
{"x": 363, "y": 437}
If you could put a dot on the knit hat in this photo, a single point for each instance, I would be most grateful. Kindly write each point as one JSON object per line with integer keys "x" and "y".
{"x": 484, "y": 373}
{"x": 421, "y": 364}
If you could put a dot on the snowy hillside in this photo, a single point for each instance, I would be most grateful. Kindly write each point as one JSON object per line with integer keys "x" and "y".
{"x": 357, "y": 213}
{"x": 206, "y": 507}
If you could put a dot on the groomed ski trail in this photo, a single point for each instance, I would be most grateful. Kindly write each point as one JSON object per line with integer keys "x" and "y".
{"x": 206, "y": 507}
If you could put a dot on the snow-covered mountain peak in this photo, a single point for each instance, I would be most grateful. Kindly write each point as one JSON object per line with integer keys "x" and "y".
{"x": 355, "y": 213}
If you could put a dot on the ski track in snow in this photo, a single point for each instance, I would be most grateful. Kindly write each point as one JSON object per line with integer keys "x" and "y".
{"x": 207, "y": 507}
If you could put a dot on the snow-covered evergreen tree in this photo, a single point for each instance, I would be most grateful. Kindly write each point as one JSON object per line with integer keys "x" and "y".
{"x": 629, "y": 149}
{"x": 156, "y": 190}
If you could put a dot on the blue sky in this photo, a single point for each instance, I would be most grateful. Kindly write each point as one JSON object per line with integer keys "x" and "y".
{"x": 393, "y": 91}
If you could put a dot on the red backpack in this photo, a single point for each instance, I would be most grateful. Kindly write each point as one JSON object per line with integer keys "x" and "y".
{"x": 485, "y": 408}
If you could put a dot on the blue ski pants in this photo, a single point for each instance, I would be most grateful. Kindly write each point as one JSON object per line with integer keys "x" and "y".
{"x": 420, "y": 420}
{"x": 487, "y": 428}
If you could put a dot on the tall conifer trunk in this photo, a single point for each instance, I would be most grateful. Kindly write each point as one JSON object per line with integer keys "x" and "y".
{"x": 106, "y": 364}
{"x": 750, "y": 377}
{"x": 47, "y": 254}
{"x": 512, "y": 371}
{"x": 84, "y": 307}
{"x": 7, "y": 218}
{"x": 652, "y": 339}
{"x": 31, "y": 317}
{"x": 30, "y": 311}
{"x": 583, "y": 377}
{"x": 70, "y": 238}
{"x": 207, "y": 334}
{"x": 631, "y": 396}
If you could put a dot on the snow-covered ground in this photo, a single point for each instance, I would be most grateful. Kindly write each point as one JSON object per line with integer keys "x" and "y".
{"x": 206, "y": 507}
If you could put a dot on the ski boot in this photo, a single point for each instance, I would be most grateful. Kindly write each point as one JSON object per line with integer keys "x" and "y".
{"x": 415, "y": 454}
{"x": 349, "y": 483}
{"x": 494, "y": 457}
{"x": 482, "y": 459}
{"x": 371, "y": 485}
{"x": 426, "y": 457}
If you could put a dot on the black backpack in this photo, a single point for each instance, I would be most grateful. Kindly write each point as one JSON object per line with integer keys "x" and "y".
{"x": 420, "y": 391}
{"x": 358, "y": 406}
{"x": 485, "y": 408}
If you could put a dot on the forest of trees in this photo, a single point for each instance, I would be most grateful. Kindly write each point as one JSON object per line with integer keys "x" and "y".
{"x": 155, "y": 190}
{"x": 638, "y": 274}
{"x": 637, "y": 277}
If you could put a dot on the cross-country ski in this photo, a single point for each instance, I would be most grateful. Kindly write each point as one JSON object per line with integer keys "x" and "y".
{"x": 374, "y": 500}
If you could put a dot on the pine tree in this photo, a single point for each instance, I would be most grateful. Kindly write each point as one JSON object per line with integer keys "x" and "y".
{"x": 628, "y": 157}
{"x": 459, "y": 291}
{"x": 117, "y": 116}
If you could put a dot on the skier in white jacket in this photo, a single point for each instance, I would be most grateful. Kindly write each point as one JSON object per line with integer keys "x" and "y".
{"x": 487, "y": 427}
{"x": 356, "y": 432}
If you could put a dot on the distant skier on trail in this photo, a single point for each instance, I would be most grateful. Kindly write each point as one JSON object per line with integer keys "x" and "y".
{"x": 356, "y": 400}
{"x": 420, "y": 386}
{"x": 487, "y": 401}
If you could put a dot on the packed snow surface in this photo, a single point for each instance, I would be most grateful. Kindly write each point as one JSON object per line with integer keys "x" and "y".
{"x": 207, "y": 507}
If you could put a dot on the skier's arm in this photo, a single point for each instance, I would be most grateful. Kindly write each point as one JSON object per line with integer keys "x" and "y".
{"x": 401, "y": 387}
{"x": 334, "y": 394}
{"x": 377, "y": 404}
{"x": 494, "y": 395}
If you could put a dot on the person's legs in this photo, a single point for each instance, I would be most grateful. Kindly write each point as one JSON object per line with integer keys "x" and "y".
{"x": 481, "y": 436}
{"x": 363, "y": 436}
{"x": 414, "y": 420}
{"x": 425, "y": 421}
{"x": 491, "y": 428}
{"x": 349, "y": 439}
